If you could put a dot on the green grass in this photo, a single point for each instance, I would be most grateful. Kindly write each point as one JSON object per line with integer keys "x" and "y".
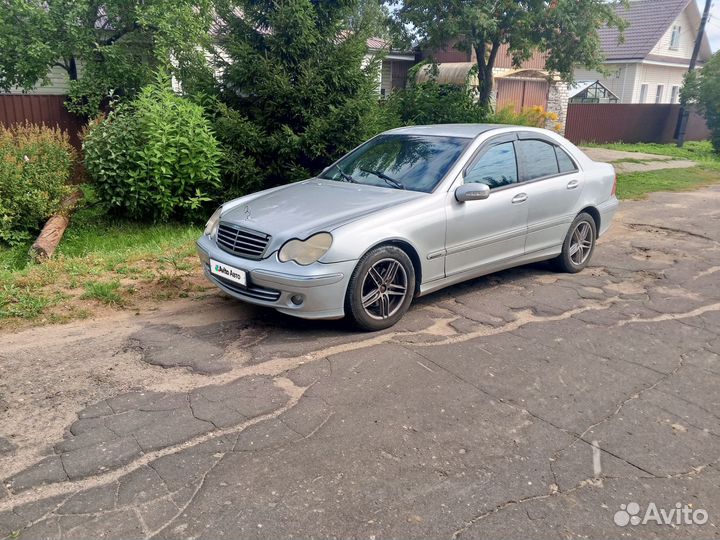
{"x": 109, "y": 243}
{"x": 701, "y": 151}
{"x": 106, "y": 292}
{"x": 23, "y": 302}
{"x": 638, "y": 184}
{"x": 108, "y": 261}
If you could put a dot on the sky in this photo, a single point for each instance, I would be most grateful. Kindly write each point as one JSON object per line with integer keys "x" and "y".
{"x": 713, "y": 27}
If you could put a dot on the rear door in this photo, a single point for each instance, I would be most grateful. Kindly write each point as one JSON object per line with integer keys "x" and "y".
{"x": 553, "y": 184}
{"x": 480, "y": 233}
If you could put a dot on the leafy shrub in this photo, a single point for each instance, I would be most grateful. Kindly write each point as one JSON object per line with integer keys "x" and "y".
{"x": 156, "y": 158}
{"x": 530, "y": 116}
{"x": 241, "y": 142}
{"x": 35, "y": 165}
{"x": 433, "y": 103}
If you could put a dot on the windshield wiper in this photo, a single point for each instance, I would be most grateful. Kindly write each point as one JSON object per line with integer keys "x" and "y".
{"x": 347, "y": 177}
{"x": 388, "y": 179}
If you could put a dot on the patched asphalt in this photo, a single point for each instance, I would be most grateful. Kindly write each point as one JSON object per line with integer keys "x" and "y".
{"x": 522, "y": 404}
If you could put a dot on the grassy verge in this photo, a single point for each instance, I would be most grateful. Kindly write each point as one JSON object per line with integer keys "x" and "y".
{"x": 639, "y": 184}
{"x": 100, "y": 264}
{"x": 701, "y": 151}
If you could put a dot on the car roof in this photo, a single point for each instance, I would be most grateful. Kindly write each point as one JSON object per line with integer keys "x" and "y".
{"x": 469, "y": 131}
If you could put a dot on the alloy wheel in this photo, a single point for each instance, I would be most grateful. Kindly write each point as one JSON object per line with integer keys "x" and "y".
{"x": 384, "y": 289}
{"x": 581, "y": 243}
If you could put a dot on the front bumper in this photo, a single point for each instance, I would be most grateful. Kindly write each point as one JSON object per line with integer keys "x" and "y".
{"x": 273, "y": 284}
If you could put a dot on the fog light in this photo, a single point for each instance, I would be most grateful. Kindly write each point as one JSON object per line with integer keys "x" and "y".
{"x": 297, "y": 299}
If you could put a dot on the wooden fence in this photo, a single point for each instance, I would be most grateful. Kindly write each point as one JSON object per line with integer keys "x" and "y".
{"x": 630, "y": 123}
{"x": 47, "y": 110}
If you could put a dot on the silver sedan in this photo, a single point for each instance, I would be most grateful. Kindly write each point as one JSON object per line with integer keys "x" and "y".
{"x": 409, "y": 212}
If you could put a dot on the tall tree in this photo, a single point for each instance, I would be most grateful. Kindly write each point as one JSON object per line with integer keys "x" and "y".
{"x": 296, "y": 76}
{"x": 105, "y": 46}
{"x": 702, "y": 89}
{"x": 566, "y": 30}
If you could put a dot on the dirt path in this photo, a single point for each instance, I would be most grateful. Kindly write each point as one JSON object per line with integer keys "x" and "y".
{"x": 626, "y": 162}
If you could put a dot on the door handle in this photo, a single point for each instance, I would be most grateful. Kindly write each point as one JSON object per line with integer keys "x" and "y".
{"x": 572, "y": 184}
{"x": 519, "y": 198}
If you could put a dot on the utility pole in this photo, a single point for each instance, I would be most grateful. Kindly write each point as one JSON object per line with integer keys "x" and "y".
{"x": 684, "y": 113}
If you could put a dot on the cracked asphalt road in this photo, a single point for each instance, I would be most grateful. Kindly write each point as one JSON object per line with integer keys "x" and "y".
{"x": 522, "y": 404}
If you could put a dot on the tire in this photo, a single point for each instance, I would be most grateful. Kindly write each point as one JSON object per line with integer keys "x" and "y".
{"x": 386, "y": 275}
{"x": 584, "y": 232}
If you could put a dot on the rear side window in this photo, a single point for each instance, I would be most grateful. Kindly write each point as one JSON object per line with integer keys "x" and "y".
{"x": 567, "y": 165}
{"x": 539, "y": 159}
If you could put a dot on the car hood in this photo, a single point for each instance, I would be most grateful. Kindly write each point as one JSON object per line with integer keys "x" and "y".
{"x": 298, "y": 210}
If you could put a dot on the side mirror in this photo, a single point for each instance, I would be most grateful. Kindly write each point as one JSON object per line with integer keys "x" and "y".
{"x": 472, "y": 192}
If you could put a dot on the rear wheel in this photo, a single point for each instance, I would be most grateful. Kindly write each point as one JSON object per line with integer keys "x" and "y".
{"x": 578, "y": 246}
{"x": 381, "y": 288}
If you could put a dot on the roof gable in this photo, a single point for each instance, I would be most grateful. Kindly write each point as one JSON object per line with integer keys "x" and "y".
{"x": 648, "y": 20}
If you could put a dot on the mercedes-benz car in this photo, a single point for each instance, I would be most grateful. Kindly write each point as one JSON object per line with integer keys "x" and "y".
{"x": 409, "y": 212}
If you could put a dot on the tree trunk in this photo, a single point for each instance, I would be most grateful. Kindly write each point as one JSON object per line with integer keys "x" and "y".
{"x": 485, "y": 72}
{"x": 72, "y": 69}
{"x": 51, "y": 234}
{"x": 486, "y": 88}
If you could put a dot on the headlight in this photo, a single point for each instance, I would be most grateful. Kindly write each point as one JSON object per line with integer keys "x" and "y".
{"x": 211, "y": 226}
{"x": 306, "y": 252}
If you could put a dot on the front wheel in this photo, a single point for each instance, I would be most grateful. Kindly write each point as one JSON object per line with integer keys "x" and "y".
{"x": 578, "y": 246}
{"x": 381, "y": 288}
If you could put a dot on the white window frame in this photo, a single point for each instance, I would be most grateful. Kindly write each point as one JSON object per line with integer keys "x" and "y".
{"x": 675, "y": 37}
{"x": 659, "y": 93}
{"x": 643, "y": 92}
{"x": 675, "y": 94}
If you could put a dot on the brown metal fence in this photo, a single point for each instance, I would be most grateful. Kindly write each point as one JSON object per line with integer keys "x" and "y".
{"x": 521, "y": 93}
{"x": 47, "y": 110}
{"x": 629, "y": 122}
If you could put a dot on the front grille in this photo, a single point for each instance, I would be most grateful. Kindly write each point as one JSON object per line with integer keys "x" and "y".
{"x": 251, "y": 291}
{"x": 242, "y": 242}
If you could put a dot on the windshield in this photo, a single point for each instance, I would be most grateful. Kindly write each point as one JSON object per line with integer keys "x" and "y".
{"x": 413, "y": 162}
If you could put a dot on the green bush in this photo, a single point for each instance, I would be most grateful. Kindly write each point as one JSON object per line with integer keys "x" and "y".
{"x": 241, "y": 142}
{"x": 35, "y": 165}
{"x": 156, "y": 158}
{"x": 530, "y": 116}
{"x": 704, "y": 90}
{"x": 433, "y": 103}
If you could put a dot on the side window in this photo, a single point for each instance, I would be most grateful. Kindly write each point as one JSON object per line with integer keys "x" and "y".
{"x": 567, "y": 165}
{"x": 497, "y": 167}
{"x": 538, "y": 159}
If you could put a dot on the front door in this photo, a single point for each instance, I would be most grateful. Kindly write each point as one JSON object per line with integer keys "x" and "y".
{"x": 481, "y": 233}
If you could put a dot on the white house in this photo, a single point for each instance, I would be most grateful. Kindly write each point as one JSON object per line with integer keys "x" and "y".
{"x": 395, "y": 65}
{"x": 58, "y": 84}
{"x": 648, "y": 67}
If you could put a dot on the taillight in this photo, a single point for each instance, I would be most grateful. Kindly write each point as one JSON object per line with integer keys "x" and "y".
{"x": 614, "y": 189}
